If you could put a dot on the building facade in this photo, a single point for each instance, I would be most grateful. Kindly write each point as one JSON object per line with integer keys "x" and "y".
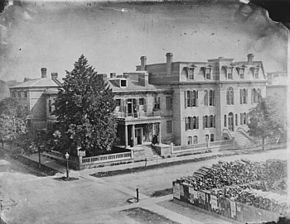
{"x": 184, "y": 103}
{"x": 35, "y": 94}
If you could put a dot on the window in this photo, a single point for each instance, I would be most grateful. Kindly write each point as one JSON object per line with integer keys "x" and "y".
{"x": 190, "y": 73}
{"x": 212, "y": 121}
{"x": 194, "y": 98}
{"x": 230, "y": 96}
{"x": 225, "y": 120}
{"x": 188, "y": 98}
{"x": 169, "y": 126}
{"x": 231, "y": 121}
{"x": 123, "y": 83}
{"x": 189, "y": 140}
{"x": 243, "y": 118}
{"x": 19, "y": 94}
{"x": 190, "y": 119}
{"x": 205, "y": 121}
{"x": 168, "y": 102}
{"x": 206, "y": 138}
{"x": 207, "y": 73}
{"x": 241, "y": 72}
{"x": 49, "y": 106}
{"x": 212, "y": 137}
{"x": 13, "y": 94}
{"x": 186, "y": 123}
{"x": 141, "y": 101}
{"x": 256, "y": 95}
{"x": 195, "y": 139}
{"x": 25, "y": 94}
{"x": 118, "y": 102}
{"x": 191, "y": 98}
{"x": 205, "y": 98}
{"x": 211, "y": 98}
{"x": 243, "y": 96}
{"x": 256, "y": 75}
{"x": 236, "y": 118}
{"x": 195, "y": 123}
{"x": 157, "y": 103}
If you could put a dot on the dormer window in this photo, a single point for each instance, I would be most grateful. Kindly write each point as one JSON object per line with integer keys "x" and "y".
{"x": 256, "y": 73}
{"x": 123, "y": 83}
{"x": 189, "y": 72}
{"x": 241, "y": 72}
{"x": 207, "y": 73}
{"x": 230, "y": 73}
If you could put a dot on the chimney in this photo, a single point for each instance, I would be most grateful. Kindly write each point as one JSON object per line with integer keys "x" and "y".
{"x": 112, "y": 75}
{"x": 43, "y": 72}
{"x": 169, "y": 57}
{"x": 143, "y": 79}
{"x": 54, "y": 75}
{"x": 143, "y": 63}
{"x": 250, "y": 58}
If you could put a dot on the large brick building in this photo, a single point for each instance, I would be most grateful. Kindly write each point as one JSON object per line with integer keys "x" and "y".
{"x": 184, "y": 103}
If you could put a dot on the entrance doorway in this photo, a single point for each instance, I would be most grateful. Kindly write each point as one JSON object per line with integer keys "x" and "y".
{"x": 139, "y": 135}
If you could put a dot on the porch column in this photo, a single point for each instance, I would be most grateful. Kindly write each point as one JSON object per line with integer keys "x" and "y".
{"x": 133, "y": 134}
{"x": 159, "y": 134}
{"x": 126, "y": 135}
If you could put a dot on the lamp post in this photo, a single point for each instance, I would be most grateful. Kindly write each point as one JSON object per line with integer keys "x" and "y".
{"x": 67, "y": 157}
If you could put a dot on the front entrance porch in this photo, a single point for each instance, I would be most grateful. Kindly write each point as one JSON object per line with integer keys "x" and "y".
{"x": 139, "y": 134}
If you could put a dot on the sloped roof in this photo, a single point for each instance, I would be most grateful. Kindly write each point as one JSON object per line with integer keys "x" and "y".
{"x": 35, "y": 83}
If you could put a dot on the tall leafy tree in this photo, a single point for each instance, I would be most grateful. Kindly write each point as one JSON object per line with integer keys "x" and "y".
{"x": 12, "y": 120}
{"x": 267, "y": 120}
{"x": 84, "y": 108}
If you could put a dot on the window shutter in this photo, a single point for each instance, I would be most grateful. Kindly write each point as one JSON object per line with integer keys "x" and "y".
{"x": 241, "y": 118}
{"x": 241, "y": 96}
{"x": 204, "y": 122}
{"x": 196, "y": 94}
{"x": 145, "y": 105}
{"x": 197, "y": 122}
{"x": 214, "y": 121}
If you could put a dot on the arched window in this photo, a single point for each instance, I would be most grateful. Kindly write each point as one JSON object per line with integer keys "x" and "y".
{"x": 194, "y": 98}
{"x": 230, "y": 96}
{"x": 231, "y": 121}
{"x": 207, "y": 73}
{"x": 189, "y": 140}
{"x": 194, "y": 122}
{"x": 195, "y": 139}
{"x": 225, "y": 120}
{"x": 256, "y": 95}
{"x": 186, "y": 123}
{"x": 191, "y": 73}
{"x": 211, "y": 98}
{"x": 256, "y": 73}
{"x": 211, "y": 121}
{"x": 243, "y": 96}
{"x": 205, "y": 97}
{"x": 205, "y": 121}
{"x": 241, "y": 72}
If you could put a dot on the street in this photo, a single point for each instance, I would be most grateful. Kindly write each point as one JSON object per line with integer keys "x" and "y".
{"x": 31, "y": 199}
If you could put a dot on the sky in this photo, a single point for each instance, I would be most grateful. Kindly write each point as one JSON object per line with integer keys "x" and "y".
{"x": 114, "y": 35}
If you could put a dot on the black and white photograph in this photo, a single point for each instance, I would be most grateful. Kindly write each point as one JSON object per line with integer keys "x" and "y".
{"x": 144, "y": 112}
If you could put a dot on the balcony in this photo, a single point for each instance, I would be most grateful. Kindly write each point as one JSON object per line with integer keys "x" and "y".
{"x": 139, "y": 116}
